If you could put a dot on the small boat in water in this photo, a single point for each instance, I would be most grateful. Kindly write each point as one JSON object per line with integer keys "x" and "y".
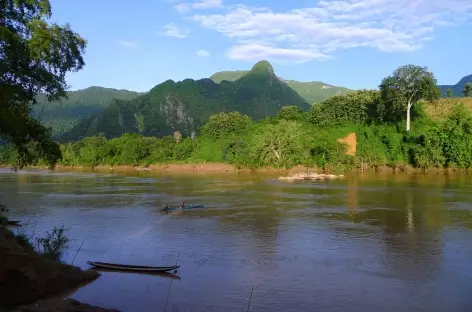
{"x": 182, "y": 207}
{"x": 13, "y": 222}
{"x": 133, "y": 268}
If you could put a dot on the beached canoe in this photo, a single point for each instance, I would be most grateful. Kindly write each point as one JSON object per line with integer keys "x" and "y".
{"x": 134, "y": 268}
{"x": 186, "y": 207}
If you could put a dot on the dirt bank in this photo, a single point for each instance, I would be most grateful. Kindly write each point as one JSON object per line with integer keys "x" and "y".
{"x": 195, "y": 168}
{"x": 26, "y": 277}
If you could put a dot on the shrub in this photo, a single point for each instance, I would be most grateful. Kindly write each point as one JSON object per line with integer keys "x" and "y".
{"x": 53, "y": 245}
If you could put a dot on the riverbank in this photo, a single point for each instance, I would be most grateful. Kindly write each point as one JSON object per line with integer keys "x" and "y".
{"x": 27, "y": 277}
{"x": 228, "y": 168}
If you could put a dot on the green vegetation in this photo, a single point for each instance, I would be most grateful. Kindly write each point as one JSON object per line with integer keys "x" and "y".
{"x": 62, "y": 116}
{"x": 36, "y": 56}
{"x": 296, "y": 137}
{"x": 3, "y": 217}
{"x": 312, "y": 92}
{"x": 52, "y": 246}
{"x": 185, "y": 106}
{"x": 408, "y": 85}
{"x": 457, "y": 89}
{"x": 467, "y": 90}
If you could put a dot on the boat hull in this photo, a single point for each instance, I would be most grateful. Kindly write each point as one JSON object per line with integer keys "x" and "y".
{"x": 187, "y": 207}
{"x": 132, "y": 268}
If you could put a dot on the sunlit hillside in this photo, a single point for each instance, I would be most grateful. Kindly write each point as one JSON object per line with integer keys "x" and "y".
{"x": 441, "y": 109}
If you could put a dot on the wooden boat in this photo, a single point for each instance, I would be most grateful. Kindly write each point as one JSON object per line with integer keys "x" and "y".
{"x": 133, "y": 268}
{"x": 170, "y": 275}
{"x": 13, "y": 222}
{"x": 185, "y": 207}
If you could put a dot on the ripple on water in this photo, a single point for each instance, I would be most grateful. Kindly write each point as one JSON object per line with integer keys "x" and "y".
{"x": 347, "y": 245}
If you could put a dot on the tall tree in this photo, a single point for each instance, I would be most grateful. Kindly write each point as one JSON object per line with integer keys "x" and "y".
{"x": 467, "y": 91}
{"x": 449, "y": 92}
{"x": 35, "y": 57}
{"x": 408, "y": 85}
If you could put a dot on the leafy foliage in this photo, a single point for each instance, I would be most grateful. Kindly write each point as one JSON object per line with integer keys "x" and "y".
{"x": 467, "y": 90}
{"x": 53, "y": 245}
{"x": 449, "y": 92}
{"x": 355, "y": 107}
{"x": 35, "y": 57}
{"x": 408, "y": 85}
{"x": 224, "y": 124}
{"x": 3, "y": 211}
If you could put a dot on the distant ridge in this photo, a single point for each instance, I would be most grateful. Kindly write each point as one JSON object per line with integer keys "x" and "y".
{"x": 457, "y": 88}
{"x": 312, "y": 92}
{"x": 63, "y": 116}
{"x": 186, "y": 105}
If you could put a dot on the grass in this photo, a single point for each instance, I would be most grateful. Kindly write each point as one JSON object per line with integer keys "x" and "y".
{"x": 440, "y": 109}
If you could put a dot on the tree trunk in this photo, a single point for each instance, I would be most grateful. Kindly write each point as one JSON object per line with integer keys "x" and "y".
{"x": 408, "y": 119}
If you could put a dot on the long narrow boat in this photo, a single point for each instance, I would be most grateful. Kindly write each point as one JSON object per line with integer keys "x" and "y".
{"x": 13, "y": 222}
{"x": 185, "y": 207}
{"x": 134, "y": 268}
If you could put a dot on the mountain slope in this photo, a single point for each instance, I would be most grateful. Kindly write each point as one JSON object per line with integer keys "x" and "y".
{"x": 312, "y": 92}
{"x": 64, "y": 115}
{"x": 187, "y": 105}
{"x": 457, "y": 88}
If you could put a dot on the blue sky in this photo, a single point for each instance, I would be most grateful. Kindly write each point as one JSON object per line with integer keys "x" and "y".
{"x": 353, "y": 43}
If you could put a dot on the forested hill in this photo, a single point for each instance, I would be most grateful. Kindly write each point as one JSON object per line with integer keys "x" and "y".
{"x": 312, "y": 92}
{"x": 457, "y": 88}
{"x": 64, "y": 115}
{"x": 185, "y": 106}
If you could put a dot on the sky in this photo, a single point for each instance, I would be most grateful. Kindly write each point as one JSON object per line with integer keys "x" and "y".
{"x": 138, "y": 44}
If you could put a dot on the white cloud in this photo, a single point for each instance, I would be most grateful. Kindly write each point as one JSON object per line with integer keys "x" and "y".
{"x": 313, "y": 33}
{"x": 128, "y": 44}
{"x": 207, "y": 4}
{"x": 184, "y": 7}
{"x": 256, "y": 52}
{"x": 203, "y": 53}
{"x": 172, "y": 30}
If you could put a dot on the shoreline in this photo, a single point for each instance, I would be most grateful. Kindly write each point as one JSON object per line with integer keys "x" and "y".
{"x": 28, "y": 278}
{"x": 224, "y": 168}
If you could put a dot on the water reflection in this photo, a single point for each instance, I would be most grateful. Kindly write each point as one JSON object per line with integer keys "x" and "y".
{"x": 365, "y": 243}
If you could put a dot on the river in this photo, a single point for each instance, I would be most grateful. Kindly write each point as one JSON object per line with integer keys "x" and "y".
{"x": 391, "y": 242}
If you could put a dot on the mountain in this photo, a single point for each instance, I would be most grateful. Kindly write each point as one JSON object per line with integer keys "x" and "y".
{"x": 312, "y": 92}
{"x": 64, "y": 115}
{"x": 186, "y": 105}
{"x": 457, "y": 88}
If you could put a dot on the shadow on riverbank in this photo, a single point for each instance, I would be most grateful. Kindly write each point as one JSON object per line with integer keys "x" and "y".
{"x": 27, "y": 277}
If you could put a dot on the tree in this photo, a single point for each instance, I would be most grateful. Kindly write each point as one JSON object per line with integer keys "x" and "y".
{"x": 35, "y": 57}
{"x": 291, "y": 112}
{"x": 223, "y": 124}
{"x": 449, "y": 92}
{"x": 278, "y": 145}
{"x": 177, "y": 136}
{"x": 467, "y": 90}
{"x": 408, "y": 85}
{"x": 353, "y": 107}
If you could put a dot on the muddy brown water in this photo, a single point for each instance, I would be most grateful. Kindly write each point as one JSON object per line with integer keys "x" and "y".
{"x": 366, "y": 243}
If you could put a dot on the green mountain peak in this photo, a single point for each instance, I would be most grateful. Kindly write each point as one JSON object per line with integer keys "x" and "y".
{"x": 263, "y": 66}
